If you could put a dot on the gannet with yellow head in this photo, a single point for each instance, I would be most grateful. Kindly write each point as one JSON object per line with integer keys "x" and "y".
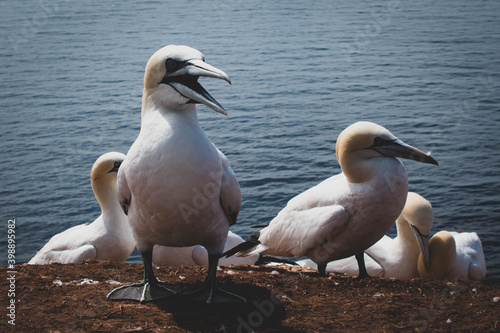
{"x": 109, "y": 237}
{"x": 177, "y": 188}
{"x": 347, "y": 213}
{"x": 454, "y": 256}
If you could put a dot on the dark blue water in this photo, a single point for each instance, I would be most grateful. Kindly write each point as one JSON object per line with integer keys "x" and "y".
{"x": 302, "y": 71}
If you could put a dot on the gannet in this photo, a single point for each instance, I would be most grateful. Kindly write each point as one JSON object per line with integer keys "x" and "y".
{"x": 176, "y": 187}
{"x": 197, "y": 255}
{"x": 454, "y": 256}
{"x": 109, "y": 237}
{"x": 347, "y": 213}
{"x": 394, "y": 258}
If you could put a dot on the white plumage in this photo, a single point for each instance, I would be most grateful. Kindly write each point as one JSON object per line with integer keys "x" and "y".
{"x": 197, "y": 255}
{"x": 177, "y": 188}
{"x": 394, "y": 257}
{"x": 347, "y": 213}
{"x": 109, "y": 237}
{"x": 454, "y": 256}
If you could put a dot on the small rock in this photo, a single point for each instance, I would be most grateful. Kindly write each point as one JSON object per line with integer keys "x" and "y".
{"x": 113, "y": 282}
{"x": 496, "y": 299}
{"x": 448, "y": 321}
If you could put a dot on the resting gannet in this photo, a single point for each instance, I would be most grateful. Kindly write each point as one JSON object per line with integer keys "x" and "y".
{"x": 176, "y": 187}
{"x": 454, "y": 256}
{"x": 197, "y": 255}
{"x": 394, "y": 258}
{"x": 347, "y": 213}
{"x": 109, "y": 237}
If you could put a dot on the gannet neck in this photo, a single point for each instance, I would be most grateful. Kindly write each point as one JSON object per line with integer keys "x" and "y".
{"x": 105, "y": 193}
{"x": 103, "y": 181}
{"x": 405, "y": 235}
{"x": 360, "y": 167}
{"x": 156, "y": 115}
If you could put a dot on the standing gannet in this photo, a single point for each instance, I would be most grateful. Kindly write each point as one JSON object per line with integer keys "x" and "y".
{"x": 395, "y": 258}
{"x": 197, "y": 255}
{"x": 109, "y": 237}
{"x": 347, "y": 213}
{"x": 454, "y": 256}
{"x": 176, "y": 187}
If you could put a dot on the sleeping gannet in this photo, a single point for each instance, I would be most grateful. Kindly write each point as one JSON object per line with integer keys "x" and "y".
{"x": 454, "y": 256}
{"x": 347, "y": 213}
{"x": 197, "y": 255}
{"x": 394, "y": 258}
{"x": 176, "y": 187}
{"x": 109, "y": 237}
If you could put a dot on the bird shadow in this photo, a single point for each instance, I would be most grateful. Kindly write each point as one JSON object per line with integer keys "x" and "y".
{"x": 262, "y": 311}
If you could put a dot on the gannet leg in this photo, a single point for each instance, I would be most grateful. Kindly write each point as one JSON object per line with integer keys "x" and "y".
{"x": 150, "y": 289}
{"x": 211, "y": 293}
{"x": 322, "y": 269}
{"x": 360, "y": 257}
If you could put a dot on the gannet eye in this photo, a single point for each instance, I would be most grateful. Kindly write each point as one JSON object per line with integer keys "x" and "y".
{"x": 172, "y": 65}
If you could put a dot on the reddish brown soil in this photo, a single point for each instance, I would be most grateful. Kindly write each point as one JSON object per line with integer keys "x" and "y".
{"x": 279, "y": 299}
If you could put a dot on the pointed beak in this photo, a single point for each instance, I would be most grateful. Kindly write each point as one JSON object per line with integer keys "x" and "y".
{"x": 185, "y": 81}
{"x": 423, "y": 242}
{"x": 397, "y": 148}
{"x": 116, "y": 166}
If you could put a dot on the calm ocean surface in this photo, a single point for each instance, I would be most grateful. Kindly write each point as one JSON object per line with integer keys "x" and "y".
{"x": 429, "y": 71}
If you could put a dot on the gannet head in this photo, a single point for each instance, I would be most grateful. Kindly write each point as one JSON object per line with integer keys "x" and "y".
{"x": 103, "y": 177}
{"x": 418, "y": 213}
{"x": 108, "y": 163}
{"x": 442, "y": 253}
{"x": 365, "y": 140}
{"x": 171, "y": 78}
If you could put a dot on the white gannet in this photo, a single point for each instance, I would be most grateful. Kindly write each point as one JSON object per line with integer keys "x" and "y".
{"x": 176, "y": 187}
{"x": 394, "y": 258}
{"x": 347, "y": 213}
{"x": 454, "y": 256}
{"x": 109, "y": 237}
{"x": 197, "y": 255}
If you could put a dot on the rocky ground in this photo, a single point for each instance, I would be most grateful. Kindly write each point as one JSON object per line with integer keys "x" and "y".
{"x": 72, "y": 298}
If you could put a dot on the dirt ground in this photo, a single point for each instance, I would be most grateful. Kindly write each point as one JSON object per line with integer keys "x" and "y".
{"x": 72, "y": 298}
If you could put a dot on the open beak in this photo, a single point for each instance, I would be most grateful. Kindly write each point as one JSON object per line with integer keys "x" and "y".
{"x": 423, "y": 242}
{"x": 185, "y": 81}
{"x": 397, "y": 148}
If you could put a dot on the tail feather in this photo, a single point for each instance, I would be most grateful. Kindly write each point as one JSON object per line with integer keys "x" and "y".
{"x": 270, "y": 259}
{"x": 244, "y": 248}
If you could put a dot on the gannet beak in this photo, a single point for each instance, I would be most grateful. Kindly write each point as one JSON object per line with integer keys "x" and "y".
{"x": 185, "y": 81}
{"x": 397, "y": 148}
{"x": 116, "y": 166}
{"x": 423, "y": 242}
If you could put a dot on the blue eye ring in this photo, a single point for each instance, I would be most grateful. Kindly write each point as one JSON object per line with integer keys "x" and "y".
{"x": 172, "y": 65}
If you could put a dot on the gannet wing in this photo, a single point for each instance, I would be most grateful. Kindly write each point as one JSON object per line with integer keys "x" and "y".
{"x": 296, "y": 232}
{"x": 87, "y": 251}
{"x": 230, "y": 195}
